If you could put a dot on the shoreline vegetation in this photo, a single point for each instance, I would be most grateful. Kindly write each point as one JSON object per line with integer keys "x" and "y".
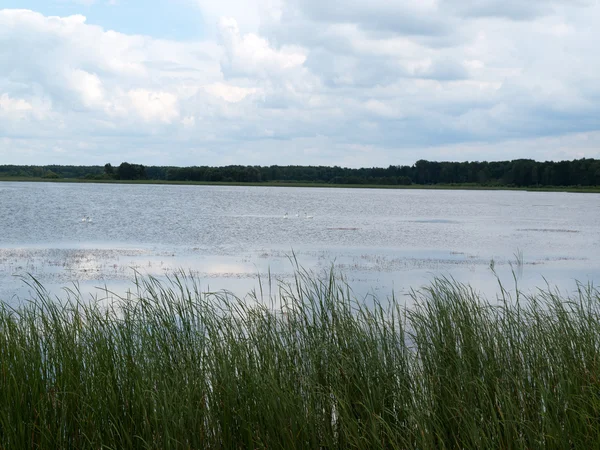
{"x": 300, "y": 365}
{"x": 464, "y": 186}
{"x": 581, "y": 175}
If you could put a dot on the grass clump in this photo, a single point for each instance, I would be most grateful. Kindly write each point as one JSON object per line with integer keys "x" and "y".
{"x": 169, "y": 367}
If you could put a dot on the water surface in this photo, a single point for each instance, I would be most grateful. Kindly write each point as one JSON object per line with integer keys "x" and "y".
{"x": 384, "y": 241}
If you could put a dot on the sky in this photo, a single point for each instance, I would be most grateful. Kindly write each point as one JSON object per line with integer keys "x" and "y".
{"x": 353, "y": 83}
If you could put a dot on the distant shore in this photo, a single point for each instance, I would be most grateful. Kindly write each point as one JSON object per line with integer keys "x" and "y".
{"x": 575, "y": 189}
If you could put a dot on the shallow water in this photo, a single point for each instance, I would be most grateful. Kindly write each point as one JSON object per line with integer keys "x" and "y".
{"x": 383, "y": 241}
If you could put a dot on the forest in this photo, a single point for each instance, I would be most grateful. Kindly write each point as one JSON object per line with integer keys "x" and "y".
{"x": 515, "y": 173}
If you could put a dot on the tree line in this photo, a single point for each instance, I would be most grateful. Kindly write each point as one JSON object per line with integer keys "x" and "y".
{"x": 517, "y": 173}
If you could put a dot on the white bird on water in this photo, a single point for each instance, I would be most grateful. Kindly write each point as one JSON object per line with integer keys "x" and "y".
{"x": 306, "y": 216}
{"x": 285, "y": 216}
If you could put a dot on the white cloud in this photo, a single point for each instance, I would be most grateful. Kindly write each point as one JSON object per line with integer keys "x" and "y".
{"x": 249, "y": 54}
{"x": 21, "y": 110}
{"x": 230, "y": 93}
{"x": 12, "y": 105}
{"x": 249, "y": 14}
{"x": 410, "y": 17}
{"x": 88, "y": 86}
{"x": 154, "y": 106}
{"x": 511, "y": 9}
{"x": 383, "y": 109}
{"x": 306, "y": 82}
{"x": 83, "y": 68}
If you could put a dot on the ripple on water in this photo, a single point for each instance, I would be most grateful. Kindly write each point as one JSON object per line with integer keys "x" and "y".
{"x": 433, "y": 221}
{"x": 231, "y": 234}
{"x": 549, "y": 230}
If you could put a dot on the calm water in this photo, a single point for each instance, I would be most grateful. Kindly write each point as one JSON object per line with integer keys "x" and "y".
{"x": 382, "y": 240}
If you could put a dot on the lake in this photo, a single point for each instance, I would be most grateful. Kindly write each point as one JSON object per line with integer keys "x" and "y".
{"x": 383, "y": 241}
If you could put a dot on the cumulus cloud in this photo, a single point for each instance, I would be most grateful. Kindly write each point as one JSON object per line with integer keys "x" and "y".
{"x": 511, "y": 9}
{"x": 14, "y": 105}
{"x": 413, "y": 18}
{"x": 154, "y": 106}
{"x": 249, "y": 14}
{"x": 83, "y": 68}
{"x": 249, "y": 54}
{"x": 306, "y": 82}
{"x": 88, "y": 86}
{"x": 230, "y": 93}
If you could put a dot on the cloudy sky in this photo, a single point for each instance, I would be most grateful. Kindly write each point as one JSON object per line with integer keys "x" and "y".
{"x": 333, "y": 82}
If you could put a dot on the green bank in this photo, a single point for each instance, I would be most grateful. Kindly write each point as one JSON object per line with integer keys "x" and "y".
{"x": 574, "y": 189}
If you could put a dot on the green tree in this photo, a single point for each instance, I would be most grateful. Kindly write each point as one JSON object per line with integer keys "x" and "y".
{"x": 128, "y": 171}
{"x": 109, "y": 170}
{"x": 50, "y": 174}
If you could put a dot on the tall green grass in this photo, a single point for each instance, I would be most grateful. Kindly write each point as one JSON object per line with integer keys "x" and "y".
{"x": 169, "y": 367}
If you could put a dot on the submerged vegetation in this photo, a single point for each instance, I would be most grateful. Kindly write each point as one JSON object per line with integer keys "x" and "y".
{"x": 304, "y": 365}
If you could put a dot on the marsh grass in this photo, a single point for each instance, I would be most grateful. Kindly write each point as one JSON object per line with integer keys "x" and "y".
{"x": 302, "y": 365}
